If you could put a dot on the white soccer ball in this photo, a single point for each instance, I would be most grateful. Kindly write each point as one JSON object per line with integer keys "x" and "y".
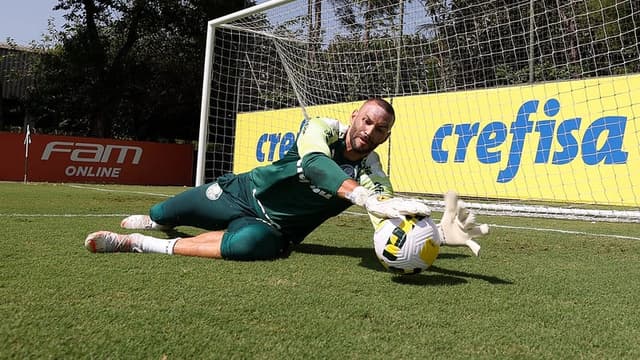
{"x": 407, "y": 245}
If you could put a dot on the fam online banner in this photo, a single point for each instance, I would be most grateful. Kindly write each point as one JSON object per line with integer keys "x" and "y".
{"x": 572, "y": 141}
{"x": 80, "y": 159}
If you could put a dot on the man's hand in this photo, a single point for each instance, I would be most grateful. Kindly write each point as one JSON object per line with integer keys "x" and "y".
{"x": 385, "y": 207}
{"x": 458, "y": 225}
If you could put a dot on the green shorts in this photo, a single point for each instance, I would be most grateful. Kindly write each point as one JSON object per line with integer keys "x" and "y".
{"x": 226, "y": 204}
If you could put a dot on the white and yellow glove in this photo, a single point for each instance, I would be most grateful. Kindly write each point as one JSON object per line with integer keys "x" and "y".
{"x": 458, "y": 225}
{"x": 387, "y": 207}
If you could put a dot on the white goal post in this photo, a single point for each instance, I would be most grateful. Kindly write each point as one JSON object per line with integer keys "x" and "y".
{"x": 525, "y": 108}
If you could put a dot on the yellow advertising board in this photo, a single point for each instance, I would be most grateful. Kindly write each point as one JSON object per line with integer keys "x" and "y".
{"x": 263, "y": 137}
{"x": 572, "y": 141}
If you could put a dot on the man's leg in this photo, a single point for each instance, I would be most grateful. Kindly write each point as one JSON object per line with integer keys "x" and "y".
{"x": 252, "y": 239}
{"x": 246, "y": 239}
{"x": 203, "y": 245}
{"x": 142, "y": 222}
{"x": 206, "y": 207}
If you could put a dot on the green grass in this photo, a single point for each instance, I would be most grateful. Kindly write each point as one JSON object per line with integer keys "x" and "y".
{"x": 531, "y": 295}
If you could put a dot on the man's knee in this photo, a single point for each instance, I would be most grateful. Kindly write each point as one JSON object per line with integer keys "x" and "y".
{"x": 252, "y": 250}
{"x": 253, "y": 242}
{"x": 156, "y": 213}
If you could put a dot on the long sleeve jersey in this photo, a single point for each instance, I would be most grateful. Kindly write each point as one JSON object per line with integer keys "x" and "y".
{"x": 299, "y": 192}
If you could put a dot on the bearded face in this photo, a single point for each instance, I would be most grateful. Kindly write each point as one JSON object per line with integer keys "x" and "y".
{"x": 370, "y": 127}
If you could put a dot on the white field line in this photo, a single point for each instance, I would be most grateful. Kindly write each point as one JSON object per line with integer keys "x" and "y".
{"x": 118, "y": 191}
{"x": 87, "y": 215}
{"x": 570, "y": 232}
{"x": 63, "y": 215}
{"x": 623, "y": 237}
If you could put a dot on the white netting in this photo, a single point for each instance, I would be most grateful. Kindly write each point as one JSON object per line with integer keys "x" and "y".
{"x": 501, "y": 100}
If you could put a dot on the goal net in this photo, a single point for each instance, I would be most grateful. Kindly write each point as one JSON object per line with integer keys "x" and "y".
{"x": 523, "y": 107}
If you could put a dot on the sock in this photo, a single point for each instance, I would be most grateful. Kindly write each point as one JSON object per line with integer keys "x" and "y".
{"x": 149, "y": 244}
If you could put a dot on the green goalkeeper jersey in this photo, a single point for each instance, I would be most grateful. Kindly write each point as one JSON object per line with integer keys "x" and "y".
{"x": 299, "y": 192}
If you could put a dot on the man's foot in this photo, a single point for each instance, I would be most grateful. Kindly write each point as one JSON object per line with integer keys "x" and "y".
{"x": 142, "y": 222}
{"x": 107, "y": 242}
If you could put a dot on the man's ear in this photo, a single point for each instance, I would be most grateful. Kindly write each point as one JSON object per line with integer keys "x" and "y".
{"x": 354, "y": 114}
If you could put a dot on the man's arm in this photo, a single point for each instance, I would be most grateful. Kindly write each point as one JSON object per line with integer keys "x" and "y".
{"x": 316, "y": 164}
{"x": 382, "y": 206}
{"x": 347, "y": 188}
{"x": 316, "y": 136}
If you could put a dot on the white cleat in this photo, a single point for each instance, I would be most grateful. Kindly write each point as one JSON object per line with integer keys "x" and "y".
{"x": 142, "y": 222}
{"x": 108, "y": 242}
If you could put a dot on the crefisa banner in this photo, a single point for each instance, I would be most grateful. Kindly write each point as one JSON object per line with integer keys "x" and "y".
{"x": 570, "y": 141}
{"x": 50, "y": 158}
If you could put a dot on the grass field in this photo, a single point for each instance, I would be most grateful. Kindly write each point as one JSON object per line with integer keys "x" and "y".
{"x": 535, "y": 293}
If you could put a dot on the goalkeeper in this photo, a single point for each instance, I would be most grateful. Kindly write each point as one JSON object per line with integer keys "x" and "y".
{"x": 257, "y": 215}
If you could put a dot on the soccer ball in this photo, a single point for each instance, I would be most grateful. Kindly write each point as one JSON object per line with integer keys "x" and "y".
{"x": 407, "y": 245}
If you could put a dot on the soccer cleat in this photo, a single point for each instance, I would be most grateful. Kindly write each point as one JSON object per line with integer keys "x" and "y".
{"x": 107, "y": 242}
{"x": 141, "y": 222}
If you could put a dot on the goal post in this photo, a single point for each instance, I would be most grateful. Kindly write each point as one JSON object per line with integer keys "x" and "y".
{"x": 527, "y": 108}
{"x": 207, "y": 78}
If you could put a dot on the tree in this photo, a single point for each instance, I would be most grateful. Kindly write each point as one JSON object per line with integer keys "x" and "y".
{"x": 127, "y": 68}
{"x": 374, "y": 14}
{"x": 487, "y": 43}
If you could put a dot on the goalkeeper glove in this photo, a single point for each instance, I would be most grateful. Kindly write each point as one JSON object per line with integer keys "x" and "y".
{"x": 387, "y": 207}
{"x": 458, "y": 225}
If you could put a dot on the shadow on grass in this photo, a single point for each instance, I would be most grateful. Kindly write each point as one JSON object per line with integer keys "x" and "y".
{"x": 447, "y": 277}
{"x": 368, "y": 260}
{"x": 426, "y": 279}
{"x": 173, "y": 233}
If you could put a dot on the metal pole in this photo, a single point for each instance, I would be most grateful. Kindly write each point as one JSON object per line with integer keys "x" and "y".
{"x": 27, "y": 142}
{"x": 398, "y": 74}
{"x": 399, "y": 48}
{"x": 532, "y": 27}
{"x": 206, "y": 82}
{"x": 248, "y": 11}
{"x": 204, "y": 107}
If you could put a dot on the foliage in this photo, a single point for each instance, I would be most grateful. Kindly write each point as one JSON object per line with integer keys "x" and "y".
{"x": 487, "y": 43}
{"x": 133, "y": 68}
{"x": 126, "y": 68}
{"x": 367, "y": 17}
{"x": 463, "y": 44}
